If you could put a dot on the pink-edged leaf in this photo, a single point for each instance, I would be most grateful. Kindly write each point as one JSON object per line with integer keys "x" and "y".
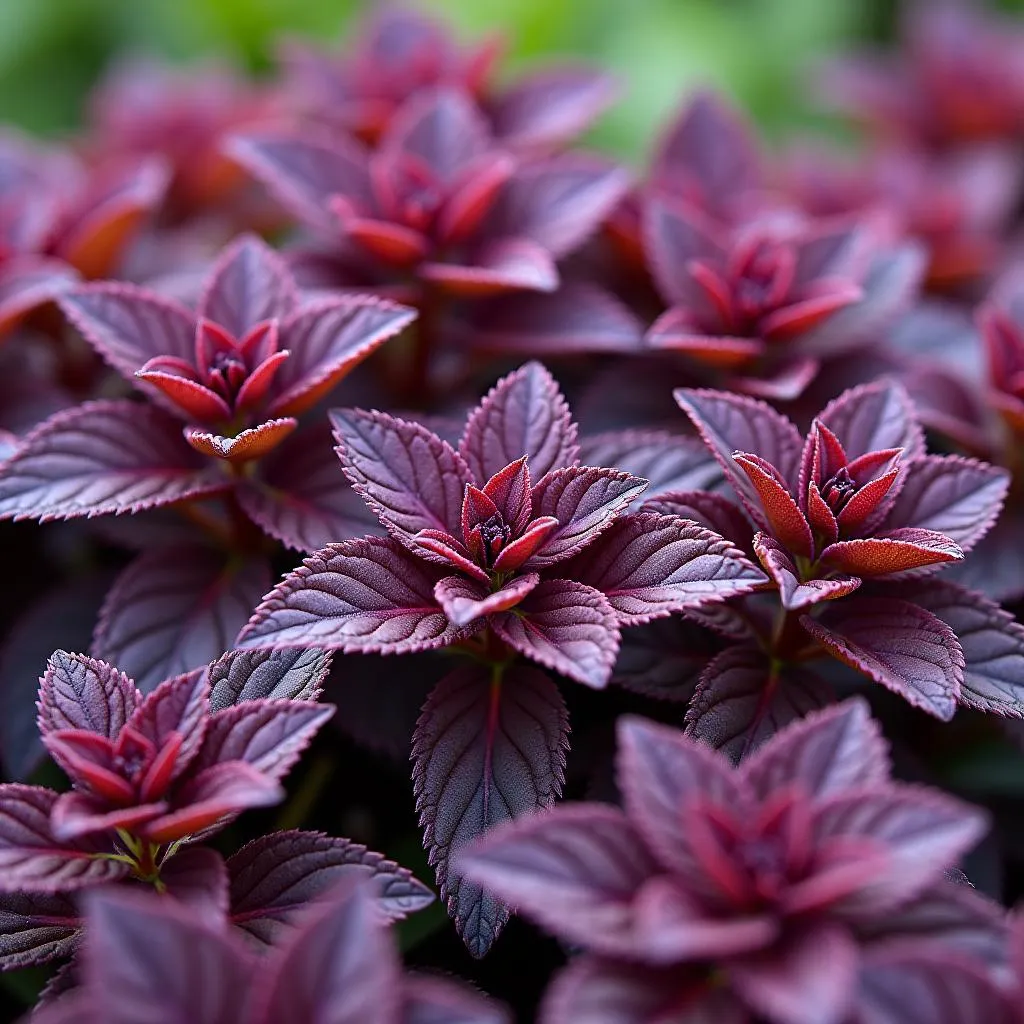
{"x": 365, "y": 595}
{"x": 668, "y": 462}
{"x": 828, "y": 751}
{"x": 650, "y": 565}
{"x": 248, "y": 284}
{"x": 464, "y": 600}
{"x": 476, "y": 188}
{"x": 300, "y": 495}
{"x": 410, "y": 477}
{"x": 326, "y": 340}
{"x": 187, "y": 398}
{"x": 275, "y": 877}
{"x": 485, "y": 751}
{"x": 558, "y": 202}
{"x": 895, "y": 552}
{"x": 565, "y": 626}
{"x": 269, "y": 735}
{"x": 793, "y": 321}
{"x": 664, "y": 658}
{"x": 32, "y": 859}
{"x": 793, "y": 593}
{"x": 429, "y": 1000}
{"x": 176, "y": 609}
{"x": 579, "y": 317}
{"x": 507, "y": 265}
{"x": 741, "y": 702}
{"x": 28, "y": 282}
{"x": 786, "y": 521}
{"x": 267, "y": 675}
{"x": 872, "y": 418}
{"x": 585, "y": 501}
{"x": 36, "y": 928}
{"x": 304, "y": 174}
{"x": 76, "y": 815}
{"x": 77, "y": 692}
{"x": 954, "y": 496}
{"x": 103, "y": 458}
{"x": 674, "y": 235}
{"x": 674, "y": 331}
{"x": 992, "y": 642}
{"x": 898, "y": 644}
{"x": 523, "y": 414}
{"x": 733, "y": 423}
{"x": 253, "y": 443}
{"x": 129, "y": 325}
{"x": 550, "y": 106}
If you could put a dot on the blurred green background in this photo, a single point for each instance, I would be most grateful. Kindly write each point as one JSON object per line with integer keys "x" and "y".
{"x": 51, "y": 50}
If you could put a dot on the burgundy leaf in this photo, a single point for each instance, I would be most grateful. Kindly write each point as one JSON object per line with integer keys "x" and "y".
{"x": 364, "y": 595}
{"x": 464, "y": 600}
{"x": 712, "y": 511}
{"x": 248, "y": 284}
{"x": 664, "y": 658}
{"x": 198, "y": 877}
{"x": 101, "y": 458}
{"x": 276, "y": 876}
{"x": 650, "y": 565}
{"x": 248, "y": 444}
{"x": 179, "y": 706}
{"x": 793, "y": 593}
{"x": 267, "y": 675}
{"x": 28, "y": 282}
{"x": 565, "y": 626}
{"x": 176, "y": 609}
{"x": 485, "y": 751}
{"x": 898, "y": 644}
{"x": 872, "y": 418}
{"x": 77, "y": 692}
{"x": 411, "y": 478}
{"x": 32, "y": 859}
{"x": 523, "y": 414}
{"x": 36, "y": 928}
{"x": 741, "y": 701}
{"x": 507, "y": 265}
{"x": 674, "y": 235}
{"x": 900, "y": 551}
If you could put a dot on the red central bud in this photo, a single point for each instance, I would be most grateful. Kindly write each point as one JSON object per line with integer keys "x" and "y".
{"x": 492, "y": 536}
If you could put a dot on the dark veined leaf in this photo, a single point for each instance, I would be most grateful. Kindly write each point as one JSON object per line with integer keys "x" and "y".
{"x": 173, "y": 610}
{"x": 486, "y": 750}
{"x": 103, "y": 458}
{"x": 267, "y": 675}
{"x": 523, "y": 414}
{"x": 36, "y": 928}
{"x": 664, "y": 658}
{"x": 77, "y": 692}
{"x": 369, "y": 596}
{"x": 898, "y": 644}
{"x": 741, "y": 701}
{"x": 276, "y": 876}
{"x": 873, "y": 417}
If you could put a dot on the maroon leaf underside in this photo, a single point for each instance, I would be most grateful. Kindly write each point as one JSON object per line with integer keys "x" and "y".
{"x": 485, "y": 751}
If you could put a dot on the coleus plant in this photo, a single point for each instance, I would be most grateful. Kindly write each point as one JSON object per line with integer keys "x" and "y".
{"x": 850, "y": 524}
{"x": 216, "y": 439}
{"x": 803, "y": 887}
{"x": 501, "y": 549}
{"x": 146, "y": 959}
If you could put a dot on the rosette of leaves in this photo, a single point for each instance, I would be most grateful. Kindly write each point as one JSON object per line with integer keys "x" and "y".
{"x": 397, "y": 52}
{"x": 151, "y": 779}
{"x": 218, "y": 439}
{"x": 803, "y": 886}
{"x": 503, "y": 549}
{"x": 851, "y": 524}
{"x": 151, "y": 959}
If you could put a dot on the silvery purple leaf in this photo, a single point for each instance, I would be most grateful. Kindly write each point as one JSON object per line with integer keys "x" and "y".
{"x": 36, "y": 928}
{"x": 77, "y": 692}
{"x": 267, "y": 675}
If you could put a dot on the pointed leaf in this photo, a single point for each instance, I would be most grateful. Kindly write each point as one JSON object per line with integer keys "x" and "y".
{"x": 794, "y": 593}
{"x": 464, "y": 600}
{"x": 267, "y": 675}
{"x": 650, "y": 565}
{"x": 741, "y": 702}
{"x": 506, "y": 265}
{"x": 246, "y": 445}
{"x": 485, "y": 751}
{"x": 78, "y": 692}
{"x": 900, "y": 551}
{"x": 565, "y": 626}
{"x": 36, "y": 928}
{"x": 103, "y": 458}
{"x": 898, "y": 644}
{"x": 180, "y": 705}
{"x": 674, "y": 235}
{"x": 28, "y": 282}
{"x": 872, "y": 418}
{"x": 365, "y": 595}
{"x": 523, "y": 414}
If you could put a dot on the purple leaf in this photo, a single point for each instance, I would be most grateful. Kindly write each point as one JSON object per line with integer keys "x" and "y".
{"x": 177, "y": 706}
{"x": 485, "y": 751}
{"x": 276, "y": 876}
{"x": 77, "y": 692}
{"x": 506, "y": 265}
{"x": 364, "y": 595}
{"x": 101, "y": 458}
{"x": 429, "y": 1000}
{"x": 664, "y": 658}
{"x": 565, "y": 626}
{"x": 301, "y": 497}
{"x": 36, "y": 928}
{"x": 585, "y": 502}
{"x": 32, "y": 859}
{"x": 523, "y": 414}
{"x": 464, "y": 600}
{"x": 268, "y": 735}
{"x": 872, "y": 418}
{"x": 714, "y": 512}
{"x": 198, "y": 877}
{"x": 326, "y": 340}
{"x": 176, "y": 609}
{"x": 954, "y": 496}
{"x": 898, "y": 644}
{"x": 794, "y": 594}
{"x": 410, "y": 477}
{"x": 741, "y": 702}
{"x": 674, "y": 235}
{"x": 649, "y": 566}
{"x": 248, "y": 284}
{"x": 267, "y": 675}
{"x": 28, "y": 282}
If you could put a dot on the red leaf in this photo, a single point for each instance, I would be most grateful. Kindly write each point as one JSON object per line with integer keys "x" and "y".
{"x": 674, "y": 235}
{"x": 507, "y": 265}
{"x": 794, "y": 593}
{"x": 785, "y": 520}
{"x": 897, "y": 551}
{"x": 244, "y": 446}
